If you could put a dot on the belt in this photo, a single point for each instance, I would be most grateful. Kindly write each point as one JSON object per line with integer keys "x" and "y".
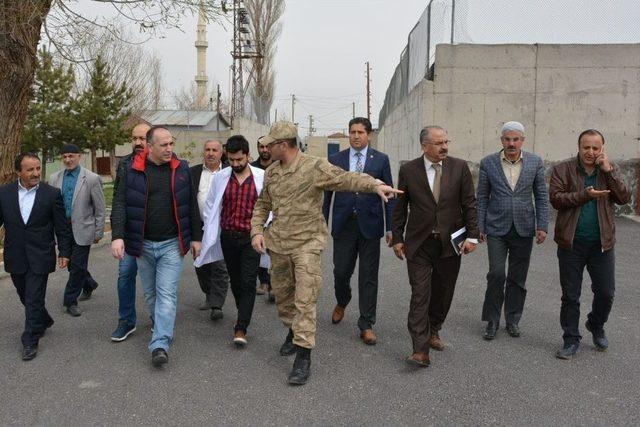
{"x": 434, "y": 236}
{"x": 236, "y": 234}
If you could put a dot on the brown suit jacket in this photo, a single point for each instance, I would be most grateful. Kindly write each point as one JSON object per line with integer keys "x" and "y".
{"x": 417, "y": 209}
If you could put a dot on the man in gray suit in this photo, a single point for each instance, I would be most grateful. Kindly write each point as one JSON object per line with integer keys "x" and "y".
{"x": 85, "y": 211}
{"x": 508, "y": 222}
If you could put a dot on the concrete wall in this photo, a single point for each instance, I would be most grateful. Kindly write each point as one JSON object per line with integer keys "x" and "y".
{"x": 556, "y": 91}
{"x": 317, "y": 145}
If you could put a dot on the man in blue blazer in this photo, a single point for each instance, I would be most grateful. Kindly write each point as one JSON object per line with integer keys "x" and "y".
{"x": 358, "y": 223}
{"x": 33, "y": 216}
{"x": 508, "y": 222}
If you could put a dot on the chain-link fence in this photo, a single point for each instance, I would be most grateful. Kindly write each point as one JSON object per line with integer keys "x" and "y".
{"x": 507, "y": 21}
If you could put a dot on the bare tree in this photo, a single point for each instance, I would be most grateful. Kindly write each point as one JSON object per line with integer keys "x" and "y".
{"x": 266, "y": 27}
{"x": 129, "y": 63}
{"x": 187, "y": 99}
{"x": 23, "y": 21}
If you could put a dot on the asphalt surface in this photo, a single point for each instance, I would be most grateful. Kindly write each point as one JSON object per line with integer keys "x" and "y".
{"x": 81, "y": 378}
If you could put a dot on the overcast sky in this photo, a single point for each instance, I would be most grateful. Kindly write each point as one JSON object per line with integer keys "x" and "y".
{"x": 325, "y": 43}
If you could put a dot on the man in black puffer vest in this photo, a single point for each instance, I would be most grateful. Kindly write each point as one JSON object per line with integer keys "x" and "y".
{"x": 155, "y": 218}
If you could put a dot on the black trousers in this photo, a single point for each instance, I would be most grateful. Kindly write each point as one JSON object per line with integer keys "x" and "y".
{"x": 214, "y": 282}
{"x": 31, "y": 289}
{"x": 348, "y": 246}
{"x": 433, "y": 281}
{"x": 508, "y": 288}
{"x": 264, "y": 277}
{"x": 601, "y": 268}
{"x": 242, "y": 265}
{"x": 79, "y": 276}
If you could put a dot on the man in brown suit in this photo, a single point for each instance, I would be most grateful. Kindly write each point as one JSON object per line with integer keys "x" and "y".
{"x": 438, "y": 200}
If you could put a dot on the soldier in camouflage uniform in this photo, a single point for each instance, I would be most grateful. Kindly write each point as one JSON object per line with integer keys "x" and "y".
{"x": 293, "y": 192}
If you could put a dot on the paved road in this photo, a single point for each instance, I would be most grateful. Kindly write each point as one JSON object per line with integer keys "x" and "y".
{"x": 80, "y": 377}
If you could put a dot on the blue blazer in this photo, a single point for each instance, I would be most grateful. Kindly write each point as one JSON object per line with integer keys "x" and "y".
{"x": 499, "y": 206}
{"x": 368, "y": 206}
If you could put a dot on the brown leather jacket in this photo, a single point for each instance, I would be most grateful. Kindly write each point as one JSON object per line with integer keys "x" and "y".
{"x": 567, "y": 194}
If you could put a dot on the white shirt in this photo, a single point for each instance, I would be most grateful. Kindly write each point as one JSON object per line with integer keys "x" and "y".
{"x": 25, "y": 200}
{"x": 431, "y": 171}
{"x": 353, "y": 158}
{"x": 203, "y": 187}
{"x": 431, "y": 176}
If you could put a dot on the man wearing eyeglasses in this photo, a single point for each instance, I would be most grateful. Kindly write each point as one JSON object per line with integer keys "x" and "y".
{"x": 508, "y": 222}
{"x": 293, "y": 191}
{"x": 438, "y": 200}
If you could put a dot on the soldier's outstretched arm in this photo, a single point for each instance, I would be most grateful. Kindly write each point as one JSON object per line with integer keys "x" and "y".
{"x": 333, "y": 178}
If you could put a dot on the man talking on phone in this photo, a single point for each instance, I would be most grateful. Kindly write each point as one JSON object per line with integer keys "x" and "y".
{"x": 584, "y": 190}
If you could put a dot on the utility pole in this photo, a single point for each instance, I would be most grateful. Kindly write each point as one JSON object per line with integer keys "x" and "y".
{"x": 453, "y": 18}
{"x": 218, "y": 109}
{"x": 311, "y": 128}
{"x": 353, "y": 110}
{"x": 368, "y": 91}
{"x": 244, "y": 47}
{"x": 293, "y": 109}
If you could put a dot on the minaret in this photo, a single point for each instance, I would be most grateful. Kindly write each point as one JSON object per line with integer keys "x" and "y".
{"x": 201, "y": 48}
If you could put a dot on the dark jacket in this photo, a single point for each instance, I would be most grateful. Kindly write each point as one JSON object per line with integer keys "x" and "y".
{"x": 567, "y": 194}
{"x": 417, "y": 209}
{"x": 130, "y": 203}
{"x": 368, "y": 206}
{"x": 31, "y": 246}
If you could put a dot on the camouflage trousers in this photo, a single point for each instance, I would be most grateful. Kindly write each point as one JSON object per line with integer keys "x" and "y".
{"x": 296, "y": 280}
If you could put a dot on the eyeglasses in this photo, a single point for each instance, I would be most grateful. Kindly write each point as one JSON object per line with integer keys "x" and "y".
{"x": 514, "y": 139}
{"x": 438, "y": 143}
{"x": 274, "y": 143}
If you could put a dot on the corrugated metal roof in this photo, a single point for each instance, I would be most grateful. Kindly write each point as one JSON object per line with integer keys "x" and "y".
{"x": 178, "y": 117}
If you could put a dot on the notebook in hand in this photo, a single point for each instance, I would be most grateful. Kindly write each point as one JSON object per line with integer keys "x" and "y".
{"x": 458, "y": 238}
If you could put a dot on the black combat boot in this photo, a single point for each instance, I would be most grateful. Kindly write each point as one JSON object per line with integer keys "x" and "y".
{"x": 288, "y": 348}
{"x": 301, "y": 366}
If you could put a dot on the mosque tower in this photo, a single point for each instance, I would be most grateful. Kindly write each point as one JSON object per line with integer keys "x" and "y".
{"x": 201, "y": 48}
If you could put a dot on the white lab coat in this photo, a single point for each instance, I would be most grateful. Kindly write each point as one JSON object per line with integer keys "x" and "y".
{"x": 211, "y": 250}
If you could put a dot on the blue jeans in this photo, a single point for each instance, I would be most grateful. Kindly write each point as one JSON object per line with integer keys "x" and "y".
{"x": 127, "y": 270}
{"x": 160, "y": 267}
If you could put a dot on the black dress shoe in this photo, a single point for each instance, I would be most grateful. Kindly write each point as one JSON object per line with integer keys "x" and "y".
{"x": 513, "y": 330}
{"x": 568, "y": 351}
{"x": 490, "y": 332}
{"x": 74, "y": 311}
{"x": 300, "y": 372}
{"x": 288, "y": 348}
{"x": 29, "y": 352}
{"x": 86, "y": 293}
{"x": 159, "y": 357}
{"x": 599, "y": 338}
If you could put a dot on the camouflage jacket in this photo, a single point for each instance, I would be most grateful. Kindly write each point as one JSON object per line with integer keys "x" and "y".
{"x": 294, "y": 193}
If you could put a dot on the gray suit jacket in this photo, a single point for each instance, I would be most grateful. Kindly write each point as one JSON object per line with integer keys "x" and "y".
{"x": 88, "y": 207}
{"x": 499, "y": 206}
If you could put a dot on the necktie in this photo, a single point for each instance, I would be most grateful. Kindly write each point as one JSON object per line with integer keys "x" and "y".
{"x": 436, "y": 181}
{"x": 359, "y": 167}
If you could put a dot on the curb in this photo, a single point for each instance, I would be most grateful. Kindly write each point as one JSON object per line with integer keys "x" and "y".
{"x": 106, "y": 240}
